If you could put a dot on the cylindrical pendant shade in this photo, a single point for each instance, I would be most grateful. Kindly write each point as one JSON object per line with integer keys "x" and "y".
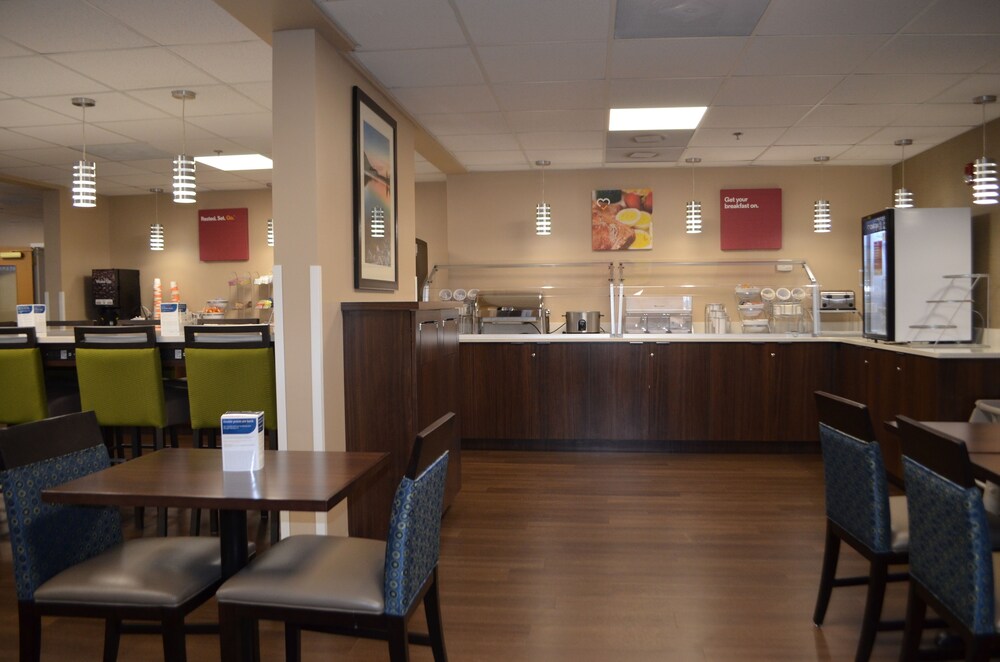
{"x": 693, "y": 221}
{"x": 184, "y": 184}
{"x": 85, "y": 184}
{"x": 156, "y": 238}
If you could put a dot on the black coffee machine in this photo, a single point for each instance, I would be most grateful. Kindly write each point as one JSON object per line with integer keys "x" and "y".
{"x": 115, "y": 295}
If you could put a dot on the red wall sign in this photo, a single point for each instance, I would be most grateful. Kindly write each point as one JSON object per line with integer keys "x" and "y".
{"x": 750, "y": 219}
{"x": 223, "y": 234}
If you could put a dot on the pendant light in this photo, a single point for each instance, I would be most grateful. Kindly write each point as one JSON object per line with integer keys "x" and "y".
{"x": 543, "y": 211}
{"x": 821, "y": 208}
{"x": 84, "y": 172}
{"x": 156, "y": 238}
{"x": 984, "y": 170}
{"x": 270, "y": 232}
{"x": 184, "y": 176}
{"x": 904, "y": 196}
{"x": 693, "y": 220}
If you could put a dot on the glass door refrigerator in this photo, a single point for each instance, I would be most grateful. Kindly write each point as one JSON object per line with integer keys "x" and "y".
{"x": 917, "y": 275}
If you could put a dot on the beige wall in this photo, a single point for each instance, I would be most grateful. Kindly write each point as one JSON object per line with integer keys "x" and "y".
{"x": 76, "y": 241}
{"x": 491, "y": 220}
{"x": 131, "y": 216}
{"x": 432, "y": 221}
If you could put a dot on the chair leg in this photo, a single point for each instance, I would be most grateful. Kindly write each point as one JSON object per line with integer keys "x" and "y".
{"x": 232, "y": 635}
{"x": 174, "y": 648}
{"x": 399, "y": 648}
{"x": 916, "y": 610}
{"x": 29, "y": 632}
{"x": 112, "y": 636}
{"x": 432, "y": 610}
{"x": 873, "y": 609}
{"x": 831, "y": 553}
{"x": 977, "y": 650}
{"x": 293, "y": 643}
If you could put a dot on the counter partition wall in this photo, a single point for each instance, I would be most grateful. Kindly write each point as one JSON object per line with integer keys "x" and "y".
{"x": 766, "y": 296}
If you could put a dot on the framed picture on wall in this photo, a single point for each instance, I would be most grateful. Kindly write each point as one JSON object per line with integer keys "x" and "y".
{"x": 375, "y": 264}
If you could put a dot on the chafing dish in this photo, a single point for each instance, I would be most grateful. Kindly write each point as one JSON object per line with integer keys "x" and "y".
{"x": 668, "y": 314}
{"x": 511, "y": 312}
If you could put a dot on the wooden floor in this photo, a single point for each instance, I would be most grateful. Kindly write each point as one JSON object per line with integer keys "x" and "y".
{"x": 598, "y": 557}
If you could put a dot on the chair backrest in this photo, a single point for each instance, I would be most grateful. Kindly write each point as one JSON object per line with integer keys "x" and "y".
{"x": 230, "y": 368}
{"x": 430, "y": 443}
{"x": 845, "y": 415}
{"x": 950, "y": 551}
{"x": 414, "y": 540}
{"x": 230, "y": 320}
{"x": 22, "y": 386}
{"x": 857, "y": 493}
{"x": 48, "y": 538}
{"x": 120, "y": 375}
{"x": 944, "y": 454}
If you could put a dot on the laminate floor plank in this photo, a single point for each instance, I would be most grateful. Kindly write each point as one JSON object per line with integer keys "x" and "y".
{"x": 596, "y": 557}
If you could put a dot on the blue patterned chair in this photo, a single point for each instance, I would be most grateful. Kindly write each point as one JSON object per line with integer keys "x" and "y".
{"x": 351, "y": 586}
{"x": 952, "y": 566}
{"x": 72, "y": 560}
{"x": 860, "y": 512}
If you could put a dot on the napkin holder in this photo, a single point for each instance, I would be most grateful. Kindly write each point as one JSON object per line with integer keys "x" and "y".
{"x": 242, "y": 441}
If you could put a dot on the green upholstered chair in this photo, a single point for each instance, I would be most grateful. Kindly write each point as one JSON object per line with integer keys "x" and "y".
{"x": 230, "y": 368}
{"x": 73, "y": 561}
{"x": 353, "y": 586}
{"x": 24, "y": 395}
{"x": 121, "y": 379}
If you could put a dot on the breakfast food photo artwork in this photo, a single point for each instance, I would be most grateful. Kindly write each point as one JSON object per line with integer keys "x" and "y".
{"x": 621, "y": 219}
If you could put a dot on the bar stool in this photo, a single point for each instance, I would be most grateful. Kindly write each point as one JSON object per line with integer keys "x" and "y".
{"x": 230, "y": 368}
{"x": 121, "y": 380}
{"x": 24, "y": 395}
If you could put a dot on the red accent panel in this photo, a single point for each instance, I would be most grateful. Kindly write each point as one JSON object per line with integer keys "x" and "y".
{"x": 750, "y": 219}
{"x": 223, "y": 234}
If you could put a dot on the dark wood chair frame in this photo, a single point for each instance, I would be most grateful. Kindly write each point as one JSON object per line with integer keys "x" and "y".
{"x": 429, "y": 444}
{"x": 853, "y": 418}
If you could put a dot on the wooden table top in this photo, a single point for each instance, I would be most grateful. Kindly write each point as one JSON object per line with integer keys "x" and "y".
{"x": 978, "y": 437}
{"x": 193, "y": 478}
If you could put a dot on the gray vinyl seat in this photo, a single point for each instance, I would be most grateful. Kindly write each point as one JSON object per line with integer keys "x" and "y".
{"x": 73, "y": 560}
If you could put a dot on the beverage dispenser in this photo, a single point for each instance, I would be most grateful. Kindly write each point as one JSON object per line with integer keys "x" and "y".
{"x": 115, "y": 294}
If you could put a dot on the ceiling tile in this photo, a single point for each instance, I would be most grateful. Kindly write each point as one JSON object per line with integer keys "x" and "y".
{"x": 935, "y": 54}
{"x": 557, "y": 120}
{"x": 920, "y": 135}
{"x": 422, "y": 68}
{"x": 572, "y": 95}
{"x": 209, "y": 100}
{"x": 663, "y": 92}
{"x": 544, "y": 62}
{"x": 800, "y": 153}
{"x": 814, "y": 17}
{"x": 633, "y": 140}
{"x": 131, "y": 69}
{"x": 512, "y": 157}
{"x": 756, "y": 137}
{"x": 49, "y": 156}
{"x": 18, "y": 113}
{"x": 663, "y": 155}
{"x": 722, "y": 154}
{"x": 469, "y": 123}
{"x": 787, "y": 90}
{"x": 881, "y": 153}
{"x": 557, "y": 140}
{"x": 527, "y": 21}
{"x": 10, "y": 49}
{"x": 177, "y": 21}
{"x": 637, "y": 19}
{"x": 853, "y": 115}
{"x": 16, "y": 140}
{"x": 450, "y": 99}
{"x": 259, "y": 93}
{"x": 155, "y": 131}
{"x": 739, "y": 117}
{"x": 72, "y": 134}
{"x": 814, "y": 54}
{"x": 231, "y": 126}
{"x": 233, "y": 62}
{"x": 957, "y": 17}
{"x": 59, "y": 26}
{"x": 890, "y": 88}
{"x": 561, "y": 158}
{"x": 948, "y": 114}
{"x": 480, "y": 142}
{"x": 41, "y": 173}
{"x": 37, "y": 75}
{"x": 108, "y": 107}
{"x": 376, "y": 25}
{"x": 824, "y": 135}
{"x": 969, "y": 88}
{"x": 664, "y": 58}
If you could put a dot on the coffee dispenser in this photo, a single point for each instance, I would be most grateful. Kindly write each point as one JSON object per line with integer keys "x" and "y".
{"x": 115, "y": 295}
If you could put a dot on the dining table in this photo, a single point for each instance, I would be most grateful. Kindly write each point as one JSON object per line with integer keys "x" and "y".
{"x": 981, "y": 439}
{"x": 193, "y": 478}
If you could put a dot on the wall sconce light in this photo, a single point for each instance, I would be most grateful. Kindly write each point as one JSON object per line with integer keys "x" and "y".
{"x": 184, "y": 166}
{"x": 270, "y": 232}
{"x": 904, "y": 196}
{"x": 821, "y": 208}
{"x": 984, "y": 170}
{"x": 84, "y": 172}
{"x": 156, "y": 238}
{"x": 543, "y": 211}
{"x": 693, "y": 207}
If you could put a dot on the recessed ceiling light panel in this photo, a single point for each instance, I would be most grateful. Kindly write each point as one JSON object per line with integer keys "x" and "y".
{"x": 237, "y": 162}
{"x": 645, "y": 19}
{"x": 655, "y": 119}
